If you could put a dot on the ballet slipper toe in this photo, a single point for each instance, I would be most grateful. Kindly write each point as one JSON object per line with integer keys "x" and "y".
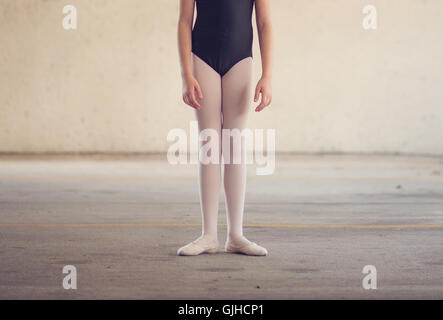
{"x": 251, "y": 249}
{"x": 194, "y": 249}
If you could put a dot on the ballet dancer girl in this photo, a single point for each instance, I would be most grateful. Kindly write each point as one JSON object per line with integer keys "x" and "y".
{"x": 216, "y": 68}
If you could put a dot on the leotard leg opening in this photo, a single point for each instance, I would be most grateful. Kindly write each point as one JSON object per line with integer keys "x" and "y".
{"x": 221, "y": 66}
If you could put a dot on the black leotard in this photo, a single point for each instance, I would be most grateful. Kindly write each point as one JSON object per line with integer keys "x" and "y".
{"x": 222, "y": 35}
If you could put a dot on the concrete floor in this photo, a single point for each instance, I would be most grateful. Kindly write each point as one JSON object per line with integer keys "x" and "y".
{"x": 120, "y": 220}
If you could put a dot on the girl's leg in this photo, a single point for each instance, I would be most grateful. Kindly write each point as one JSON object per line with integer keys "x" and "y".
{"x": 209, "y": 117}
{"x": 236, "y": 97}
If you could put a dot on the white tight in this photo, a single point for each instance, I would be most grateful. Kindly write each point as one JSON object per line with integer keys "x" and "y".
{"x": 225, "y": 105}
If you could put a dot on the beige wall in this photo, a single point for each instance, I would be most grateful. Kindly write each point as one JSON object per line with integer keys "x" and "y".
{"x": 114, "y": 84}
